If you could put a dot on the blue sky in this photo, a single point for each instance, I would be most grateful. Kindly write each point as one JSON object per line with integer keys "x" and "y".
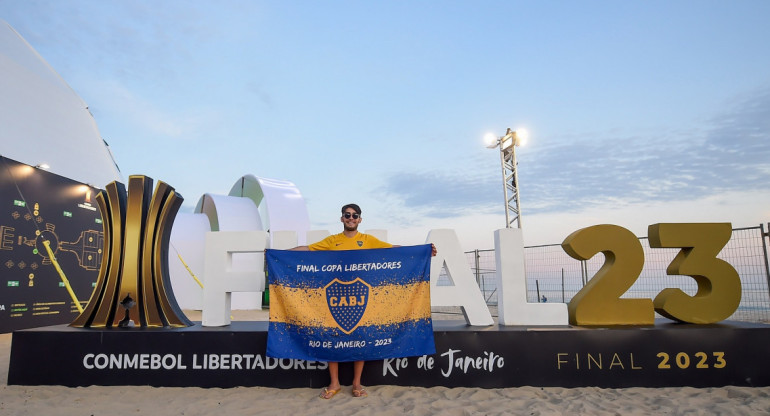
{"x": 638, "y": 112}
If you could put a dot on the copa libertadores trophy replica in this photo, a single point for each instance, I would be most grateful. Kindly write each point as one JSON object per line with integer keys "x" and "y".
{"x": 133, "y": 288}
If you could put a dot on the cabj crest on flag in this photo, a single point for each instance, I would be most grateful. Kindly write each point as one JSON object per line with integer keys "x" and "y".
{"x": 350, "y": 305}
{"x": 347, "y": 302}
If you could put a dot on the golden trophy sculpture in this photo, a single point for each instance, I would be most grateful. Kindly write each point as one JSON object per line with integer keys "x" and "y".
{"x": 134, "y": 288}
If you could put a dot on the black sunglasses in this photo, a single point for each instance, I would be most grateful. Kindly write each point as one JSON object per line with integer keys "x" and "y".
{"x": 348, "y": 215}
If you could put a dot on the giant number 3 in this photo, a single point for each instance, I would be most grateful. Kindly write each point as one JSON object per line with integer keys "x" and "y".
{"x": 719, "y": 286}
{"x": 599, "y": 302}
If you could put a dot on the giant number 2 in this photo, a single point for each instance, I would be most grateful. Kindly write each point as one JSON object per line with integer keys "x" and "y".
{"x": 600, "y": 302}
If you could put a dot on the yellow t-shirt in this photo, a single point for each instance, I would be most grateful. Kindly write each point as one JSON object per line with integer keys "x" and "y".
{"x": 341, "y": 242}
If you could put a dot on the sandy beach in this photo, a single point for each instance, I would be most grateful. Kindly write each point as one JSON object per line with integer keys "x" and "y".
{"x": 382, "y": 400}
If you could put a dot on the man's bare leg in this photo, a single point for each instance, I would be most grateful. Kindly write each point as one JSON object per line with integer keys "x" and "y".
{"x": 358, "y": 389}
{"x": 334, "y": 384}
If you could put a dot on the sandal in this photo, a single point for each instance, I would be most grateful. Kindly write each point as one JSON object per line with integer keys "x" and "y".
{"x": 360, "y": 393}
{"x": 328, "y": 394}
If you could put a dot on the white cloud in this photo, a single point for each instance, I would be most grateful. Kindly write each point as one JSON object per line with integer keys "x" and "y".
{"x": 576, "y": 176}
{"x": 476, "y": 231}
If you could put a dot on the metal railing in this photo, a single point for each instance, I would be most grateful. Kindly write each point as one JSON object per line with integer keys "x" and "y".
{"x": 554, "y": 276}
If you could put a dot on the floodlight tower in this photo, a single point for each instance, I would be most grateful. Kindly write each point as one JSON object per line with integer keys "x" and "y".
{"x": 507, "y": 145}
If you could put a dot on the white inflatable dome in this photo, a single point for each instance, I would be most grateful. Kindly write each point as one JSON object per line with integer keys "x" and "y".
{"x": 43, "y": 121}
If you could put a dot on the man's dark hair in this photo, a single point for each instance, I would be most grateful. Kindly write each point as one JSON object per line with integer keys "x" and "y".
{"x": 354, "y": 207}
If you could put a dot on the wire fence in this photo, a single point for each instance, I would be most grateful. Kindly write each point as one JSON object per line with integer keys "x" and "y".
{"x": 554, "y": 276}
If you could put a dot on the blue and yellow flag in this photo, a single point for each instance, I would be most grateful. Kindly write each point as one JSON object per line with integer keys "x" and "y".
{"x": 350, "y": 305}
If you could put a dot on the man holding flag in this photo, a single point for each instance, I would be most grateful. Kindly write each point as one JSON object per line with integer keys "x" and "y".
{"x": 349, "y": 239}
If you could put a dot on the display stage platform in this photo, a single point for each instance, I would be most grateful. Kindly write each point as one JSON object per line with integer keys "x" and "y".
{"x": 664, "y": 355}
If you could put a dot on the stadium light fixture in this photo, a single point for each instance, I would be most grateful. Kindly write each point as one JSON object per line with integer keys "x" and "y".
{"x": 507, "y": 145}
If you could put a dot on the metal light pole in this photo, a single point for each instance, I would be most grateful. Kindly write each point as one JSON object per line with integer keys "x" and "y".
{"x": 507, "y": 145}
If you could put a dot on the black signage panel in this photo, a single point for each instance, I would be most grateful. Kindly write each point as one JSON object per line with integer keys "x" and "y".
{"x": 38, "y": 206}
{"x": 666, "y": 355}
